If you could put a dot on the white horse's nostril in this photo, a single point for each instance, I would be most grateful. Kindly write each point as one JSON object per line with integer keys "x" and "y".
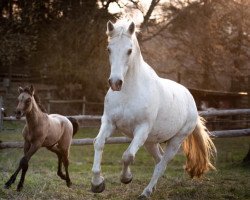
{"x": 119, "y": 83}
{"x": 115, "y": 84}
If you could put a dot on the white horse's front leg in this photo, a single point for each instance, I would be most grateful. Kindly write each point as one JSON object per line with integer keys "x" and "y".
{"x": 97, "y": 183}
{"x": 140, "y": 136}
{"x": 170, "y": 151}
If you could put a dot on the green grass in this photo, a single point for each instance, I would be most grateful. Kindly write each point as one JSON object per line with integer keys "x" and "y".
{"x": 230, "y": 181}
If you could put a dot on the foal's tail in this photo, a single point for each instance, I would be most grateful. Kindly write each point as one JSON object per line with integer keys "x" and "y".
{"x": 200, "y": 150}
{"x": 75, "y": 124}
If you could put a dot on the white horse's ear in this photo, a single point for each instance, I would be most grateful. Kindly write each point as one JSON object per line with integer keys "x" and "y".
{"x": 131, "y": 28}
{"x": 32, "y": 90}
{"x": 110, "y": 27}
{"x": 20, "y": 89}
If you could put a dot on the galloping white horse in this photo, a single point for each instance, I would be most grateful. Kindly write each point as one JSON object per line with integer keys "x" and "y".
{"x": 149, "y": 109}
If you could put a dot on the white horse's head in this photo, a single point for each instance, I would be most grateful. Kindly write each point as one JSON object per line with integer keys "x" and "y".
{"x": 121, "y": 49}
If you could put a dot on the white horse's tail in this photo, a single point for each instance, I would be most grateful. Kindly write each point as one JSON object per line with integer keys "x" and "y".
{"x": 200, "y": 150}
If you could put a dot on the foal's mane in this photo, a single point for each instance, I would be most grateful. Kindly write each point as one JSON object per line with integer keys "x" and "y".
{"x": 37, "y": 99}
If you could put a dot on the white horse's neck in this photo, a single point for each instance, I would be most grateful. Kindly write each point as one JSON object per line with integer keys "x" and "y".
{"x": 136, "y": 69}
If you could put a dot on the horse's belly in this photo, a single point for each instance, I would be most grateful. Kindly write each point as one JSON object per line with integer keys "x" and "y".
{"x": 159, "y": 136}
{"x": 165, "y": 128}
{"x": 49, "y": 142}
{"x": 160, "y": 132}
{"x": 156, "y": 136}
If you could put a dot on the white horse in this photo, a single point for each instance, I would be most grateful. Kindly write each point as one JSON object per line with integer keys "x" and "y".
{"x": 149, "y": 109}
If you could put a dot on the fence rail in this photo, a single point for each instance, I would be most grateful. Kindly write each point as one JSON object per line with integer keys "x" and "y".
{"x": 122, "y": 140}
{"x": 116, "y": 140}
{"x": 82, "y": 101}
{"x": 78, "y": 117}
{"x": 224, "y": 112}
{"x": 201, "y": 113}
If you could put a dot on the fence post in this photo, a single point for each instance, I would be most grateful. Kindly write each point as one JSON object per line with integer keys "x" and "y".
{"x": 83, "y": 105}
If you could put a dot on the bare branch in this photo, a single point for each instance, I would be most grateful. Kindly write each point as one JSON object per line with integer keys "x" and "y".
{"x": 149, "y": 13}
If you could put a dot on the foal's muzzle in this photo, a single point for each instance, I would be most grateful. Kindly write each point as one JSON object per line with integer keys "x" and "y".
{"x": 18, "y": 114}
{"x": 115, "y": 84}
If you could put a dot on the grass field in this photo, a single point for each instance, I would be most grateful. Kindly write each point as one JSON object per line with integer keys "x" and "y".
{"x": 230, "y": 181}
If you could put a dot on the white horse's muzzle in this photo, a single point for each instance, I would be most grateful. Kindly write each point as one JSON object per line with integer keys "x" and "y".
{"x": 115, "y": 84}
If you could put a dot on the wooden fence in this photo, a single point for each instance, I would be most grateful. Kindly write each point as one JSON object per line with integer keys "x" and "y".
{"x": 82, "y": 101}
{"x": 122, "y": 140}
{"x": 116, "y": 140}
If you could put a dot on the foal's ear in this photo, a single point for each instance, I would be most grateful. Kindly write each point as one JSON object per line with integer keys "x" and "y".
{"x": 20, "y": 89}
{"x": 32, "y": 90}
{"x": 110, "y": 27}
{"x": 131, "y": 28}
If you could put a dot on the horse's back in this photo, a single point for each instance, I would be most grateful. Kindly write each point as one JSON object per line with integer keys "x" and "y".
{"x": 60, "y": 121}
{"x": 178, "y": 95}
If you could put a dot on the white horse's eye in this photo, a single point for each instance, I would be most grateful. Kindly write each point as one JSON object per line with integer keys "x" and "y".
{"x": 129, "y": 51}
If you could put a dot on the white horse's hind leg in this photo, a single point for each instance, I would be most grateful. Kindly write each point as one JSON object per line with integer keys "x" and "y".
{"x": 97, "y": 180}
{"x": 140, "y": 136}
{"x": 170, "y": 151}
{"x": 155, "y": 150}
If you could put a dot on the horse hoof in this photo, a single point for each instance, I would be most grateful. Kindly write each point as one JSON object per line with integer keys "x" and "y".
{"x": 145, "y": 195}
{"x": 69, "y": 183}
{"x": 142, "y": 197}
{"x": 126, "y": 180}
{"x": 19, "y": 188}
{"x": 98, "y": 188}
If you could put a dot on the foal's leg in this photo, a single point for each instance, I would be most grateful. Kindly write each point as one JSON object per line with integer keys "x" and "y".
{"x": 24, "y": 163}
{"x": 13, "y": 177}
{"x": 65, "y": 159}
{"x": 97, "y": 182}
{"x": 170, "y": 151}
{"x": 140, "y": 136}
{"x": 56, "y": 150}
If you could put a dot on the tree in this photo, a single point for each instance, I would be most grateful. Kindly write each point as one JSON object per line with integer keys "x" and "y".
{"x": 58, "y": 42}
{"x": 207, "y": 39}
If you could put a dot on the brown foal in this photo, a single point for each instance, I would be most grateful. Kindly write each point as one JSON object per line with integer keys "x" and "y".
{"x": 52, "y": 131}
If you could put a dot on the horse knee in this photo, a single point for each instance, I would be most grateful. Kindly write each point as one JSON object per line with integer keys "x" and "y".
{"x": 98, "y": 144}
{"x": 128, "y": 158}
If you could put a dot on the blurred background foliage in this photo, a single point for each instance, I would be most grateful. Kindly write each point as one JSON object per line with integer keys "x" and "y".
{"x": 63, "y": 43}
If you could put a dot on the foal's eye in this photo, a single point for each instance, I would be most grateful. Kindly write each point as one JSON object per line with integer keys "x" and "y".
{"x": 129, "y": 51}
